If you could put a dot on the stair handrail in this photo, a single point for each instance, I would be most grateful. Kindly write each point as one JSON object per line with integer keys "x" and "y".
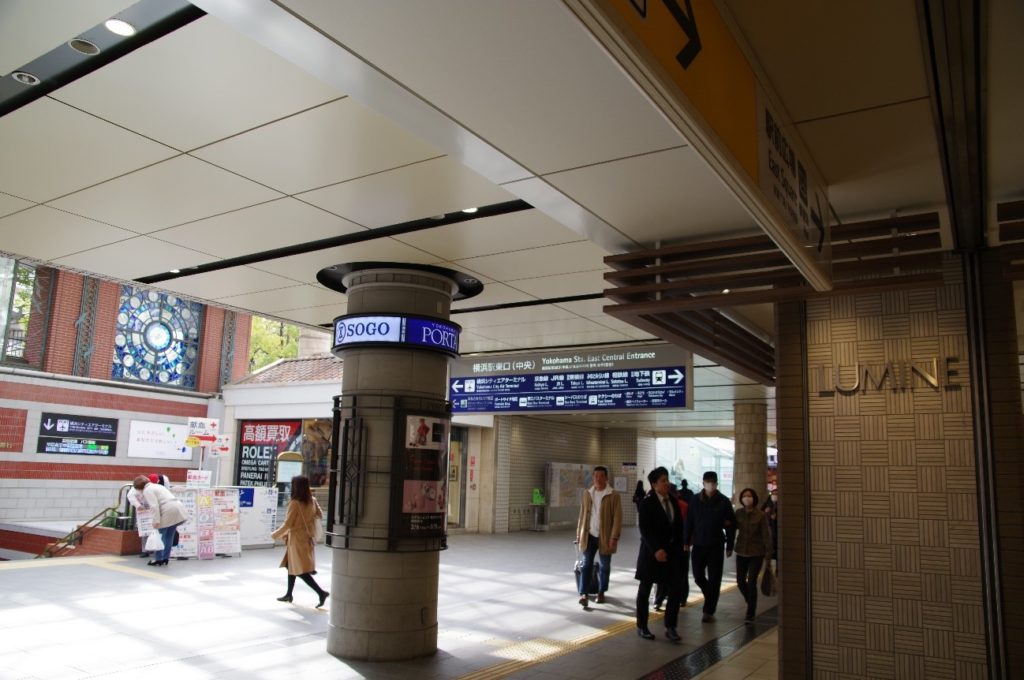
{"x": 77, "y": 534}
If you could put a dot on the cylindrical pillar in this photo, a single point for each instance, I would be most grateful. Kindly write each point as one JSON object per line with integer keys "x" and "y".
{"x": 383, "y": 604}
{"x": 751, "y": 462}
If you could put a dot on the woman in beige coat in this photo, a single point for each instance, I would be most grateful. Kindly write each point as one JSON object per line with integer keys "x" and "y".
{"x": 298, "y": 531}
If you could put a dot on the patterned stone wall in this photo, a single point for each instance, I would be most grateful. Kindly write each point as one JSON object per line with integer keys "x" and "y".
{"x": 895, "y": 560}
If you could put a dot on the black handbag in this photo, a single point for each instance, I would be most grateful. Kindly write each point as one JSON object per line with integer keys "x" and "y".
{"x": 769, "y": 583}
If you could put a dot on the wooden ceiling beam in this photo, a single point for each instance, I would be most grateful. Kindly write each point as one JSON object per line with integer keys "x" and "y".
{"x": 721, "y": 265}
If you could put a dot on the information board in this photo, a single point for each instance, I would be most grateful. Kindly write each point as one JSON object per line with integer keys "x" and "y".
{"x": 80, "y": 435}
{"x": 257, "y": 509}
{"x": 606, "y": 379}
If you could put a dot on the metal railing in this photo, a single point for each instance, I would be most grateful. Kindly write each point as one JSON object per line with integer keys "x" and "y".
{"x": 77, "y": 535}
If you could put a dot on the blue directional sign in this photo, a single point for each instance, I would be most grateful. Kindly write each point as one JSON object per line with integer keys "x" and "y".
{"x": 622, "y": 389}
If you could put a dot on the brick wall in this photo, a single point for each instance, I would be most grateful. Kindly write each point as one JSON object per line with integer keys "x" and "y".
{"x": 243, "y": 334}
{"x": 62, "y": 334}
{"x": 104, "y": 330}
{"x": 208, "y": 373}
{"x": 12, "y": 428}
{"x": 38, "y": 323}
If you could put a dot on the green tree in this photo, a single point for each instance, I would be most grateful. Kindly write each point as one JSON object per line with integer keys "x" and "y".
{"x": 271, "y": 340}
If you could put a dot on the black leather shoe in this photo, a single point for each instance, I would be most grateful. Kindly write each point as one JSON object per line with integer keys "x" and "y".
{"x": 672, "y": 635}
{"x": 285, "y": 598}
{"x": 323, "y": 598}
{"x": 645, "y": 633}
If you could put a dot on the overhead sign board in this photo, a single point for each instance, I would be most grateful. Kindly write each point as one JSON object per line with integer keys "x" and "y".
{"x": 690, "y": 46}
{"x": 80, "y": 435}
{"x": 362, "y": 330}
{"x": 602, "y": 379}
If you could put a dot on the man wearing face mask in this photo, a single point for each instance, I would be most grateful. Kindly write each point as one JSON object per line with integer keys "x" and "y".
{"x": 710, "y": 533}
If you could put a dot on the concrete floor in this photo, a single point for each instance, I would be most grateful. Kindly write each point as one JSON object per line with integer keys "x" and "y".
{"x": 508, "y": 609}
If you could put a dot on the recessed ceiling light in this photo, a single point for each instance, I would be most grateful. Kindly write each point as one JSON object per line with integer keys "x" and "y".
{"x": 119, "y": 26}
{"x": 469, "y": 210}
{"x": 175, "y": 271}
{"x": 83, "y": 46}
{"x": 725, "y": 290}
{"x": 25, "y": 78}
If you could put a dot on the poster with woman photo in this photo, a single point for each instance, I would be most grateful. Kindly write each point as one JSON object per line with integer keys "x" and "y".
{"x": 424, "y": 476}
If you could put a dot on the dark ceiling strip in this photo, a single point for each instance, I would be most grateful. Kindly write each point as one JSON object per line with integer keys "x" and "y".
{"x": 343, "y": 240}
{"x": 1014, "y": 210}
{"x": 954, "y": 51}
{"x": 529, "y": 303}
{"x": 152, "y": 19}
{"x": 1011, "y": 231}
{"x": 699, "y": 250}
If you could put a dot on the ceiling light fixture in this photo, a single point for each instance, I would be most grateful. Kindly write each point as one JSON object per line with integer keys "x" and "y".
{"x": 469, "y": 210}
{"x": 175, "y": 271}
{"x": 119, "y": 27}
{"x": 83, "y": 46}
{"x": 725, "y": 290}
{"x": 25, "y": 78}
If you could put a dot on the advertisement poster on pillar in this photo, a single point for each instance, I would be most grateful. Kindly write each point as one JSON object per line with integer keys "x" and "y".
{"x": 424, "y": 476}
{"x": 259, "y": 442}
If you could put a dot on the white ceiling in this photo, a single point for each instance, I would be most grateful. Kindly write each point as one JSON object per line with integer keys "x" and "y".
{"x": 266, "y": 124}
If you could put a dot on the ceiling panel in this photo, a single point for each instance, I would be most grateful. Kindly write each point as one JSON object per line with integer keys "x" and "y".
{"x": 314, "y": 316}
{"x": 305, "y": 267}
{"x": 266, "y": 226}
{"x": 132, "y": 258}
{"x": 534, "y": 262}
{"x": 825, "y": 58}
{"x": 226, "y": 282}
{"x": 10, "y": 204}
{"x": 338, "y": 141}
{"x": 51, "y": 149}
{"x": 412, "y": 192}
{"x": 491, "y": 235}
{"x": 541, "y": 337}
{"x": 471, "y": 342}
{"x": 878, "y": 161}
{"x": 31, "y": 28}
{"x": 516, "y": 315}
{"x": 525, "y": 76}
{"x": 493, "y": 294}
{"x": 1005, "y": 106}
{"x": 668, "y": 196}
{"x": 564, "y": 285}
{"x": 46, "y": 234}
{"x": 198, "y": 84}
{"x": 166, "y": 194}
{"x": 282, "y": 299}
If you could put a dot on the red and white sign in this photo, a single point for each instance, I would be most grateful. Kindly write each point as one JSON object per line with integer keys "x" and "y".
{"x": 205, "y": 429}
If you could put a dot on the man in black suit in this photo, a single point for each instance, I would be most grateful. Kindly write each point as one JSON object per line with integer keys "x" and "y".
{"x": 661, "y": 554}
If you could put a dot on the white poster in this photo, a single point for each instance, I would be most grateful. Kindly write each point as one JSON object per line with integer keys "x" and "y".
{"x": 257, "y": 513}
{"x": 166, "y": 441}
{"x": 198, "y": 478}
{"x": 188, "y": 543}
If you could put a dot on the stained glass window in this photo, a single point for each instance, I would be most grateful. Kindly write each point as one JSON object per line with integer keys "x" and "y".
{"x": 157, "y": 338}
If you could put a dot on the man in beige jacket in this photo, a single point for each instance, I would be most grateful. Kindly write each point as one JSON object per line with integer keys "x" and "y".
{"x": 598, "y": 531}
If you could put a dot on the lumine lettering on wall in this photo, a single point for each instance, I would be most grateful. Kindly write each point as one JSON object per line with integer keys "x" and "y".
{"x": 932, "y": 373}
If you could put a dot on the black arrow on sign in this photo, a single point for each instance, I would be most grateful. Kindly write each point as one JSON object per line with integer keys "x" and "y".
{"x": 688, "y": 22}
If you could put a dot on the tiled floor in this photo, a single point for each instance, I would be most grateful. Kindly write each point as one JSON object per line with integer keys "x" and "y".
{"x": 759, "y": 660}
{"x": 508, "y": 609}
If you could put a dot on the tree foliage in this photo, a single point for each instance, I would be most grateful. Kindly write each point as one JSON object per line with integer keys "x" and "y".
{"x": 271, "y": 340}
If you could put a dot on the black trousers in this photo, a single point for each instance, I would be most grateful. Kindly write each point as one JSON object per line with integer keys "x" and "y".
{"x": 684, "y": 584}
{"x": 708, "y": 562}
{"x": 643, "y": 596}
{"x": 747, "y": 570}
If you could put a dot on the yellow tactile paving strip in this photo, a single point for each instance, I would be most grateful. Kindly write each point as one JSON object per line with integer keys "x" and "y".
{"x": 541, "y": 650}
{"x": 111, "y": 562}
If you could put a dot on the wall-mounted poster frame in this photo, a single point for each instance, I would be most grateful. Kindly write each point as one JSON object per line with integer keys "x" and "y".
{"x": 419, "y": 474}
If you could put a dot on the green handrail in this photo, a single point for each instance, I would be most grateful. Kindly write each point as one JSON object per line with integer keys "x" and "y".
{"x": 77, "y": 534}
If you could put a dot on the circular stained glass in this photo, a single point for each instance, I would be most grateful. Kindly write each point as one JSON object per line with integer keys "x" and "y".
{"x": 157, "y": 338}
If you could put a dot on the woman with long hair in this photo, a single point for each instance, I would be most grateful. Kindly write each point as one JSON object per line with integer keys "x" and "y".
{"x": 298, "y": 530}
